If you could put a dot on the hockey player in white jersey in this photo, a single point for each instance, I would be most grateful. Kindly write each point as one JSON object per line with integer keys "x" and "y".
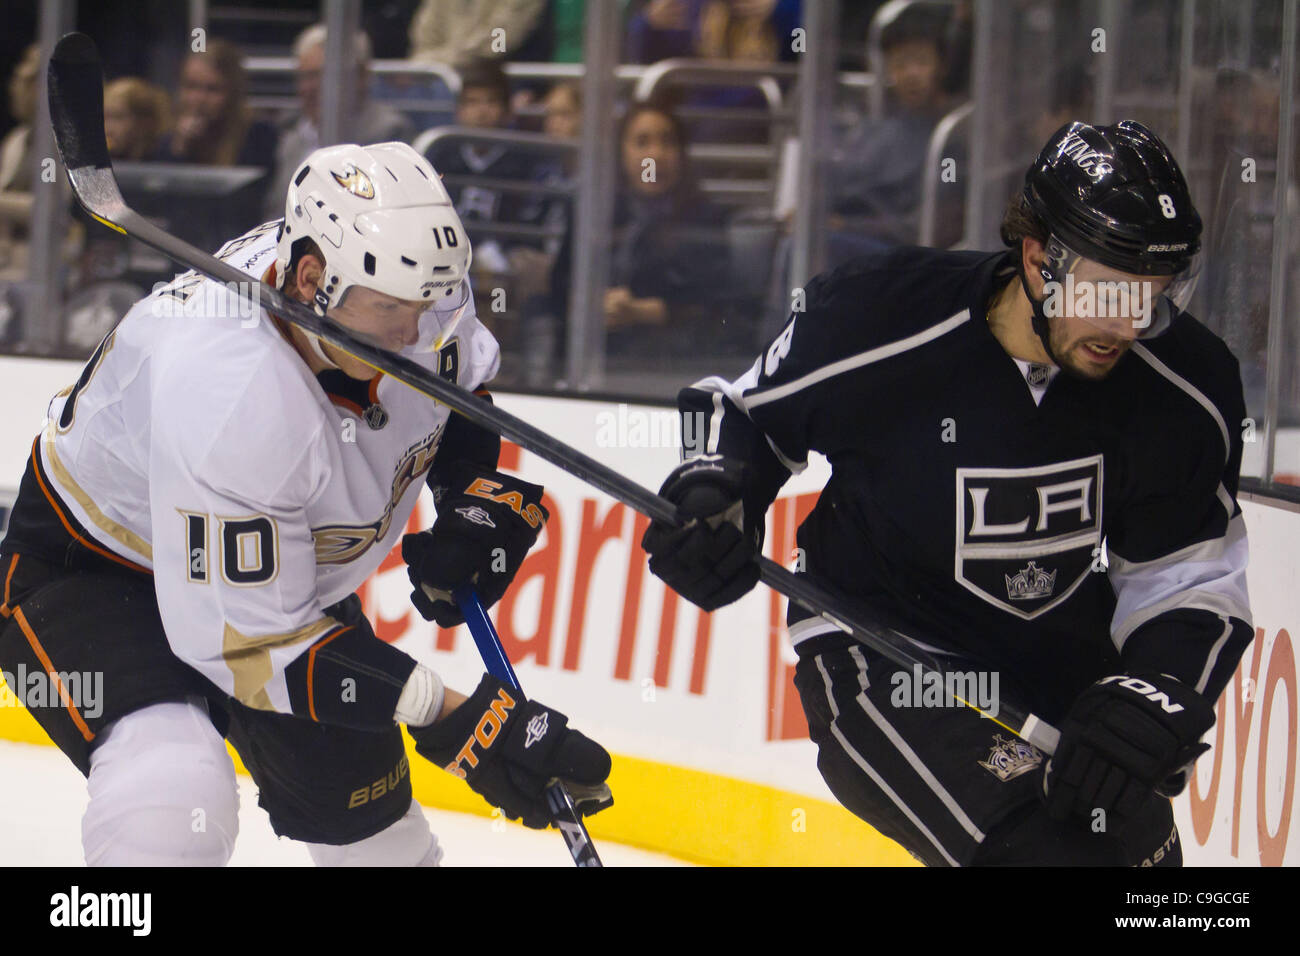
{"x": 201, "y": 505}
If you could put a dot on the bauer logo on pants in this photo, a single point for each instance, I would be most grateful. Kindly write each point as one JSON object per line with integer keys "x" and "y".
{"x": 1026, "y": 537}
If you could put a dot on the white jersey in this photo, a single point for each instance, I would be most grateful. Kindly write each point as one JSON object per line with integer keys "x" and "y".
{"x": 202, "y": 448}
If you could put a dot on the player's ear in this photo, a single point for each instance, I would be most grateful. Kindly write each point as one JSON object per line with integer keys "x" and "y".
{"x": 1033, "y": 253}
{"x": 308, "y": 274}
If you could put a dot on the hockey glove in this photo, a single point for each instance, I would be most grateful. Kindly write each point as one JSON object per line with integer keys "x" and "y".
{"x": 711, "y": 560}
{"x": 486, "y": 523}
{"x": 1123, "y": 739}
{"x": 508, "y": 749}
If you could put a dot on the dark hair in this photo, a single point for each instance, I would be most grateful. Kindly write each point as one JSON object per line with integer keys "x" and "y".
{"x": 1020, "y": 222}
{"x": 664, "y": 109}
{"x": 916, "y": 24}
{"x": 486, "y": 75}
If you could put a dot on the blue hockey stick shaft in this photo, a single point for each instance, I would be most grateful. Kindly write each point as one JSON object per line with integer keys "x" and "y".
{"x": 564, "y": 814}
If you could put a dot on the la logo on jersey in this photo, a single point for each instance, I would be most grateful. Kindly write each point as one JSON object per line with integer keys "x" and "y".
{"x": 1026, "y": 536}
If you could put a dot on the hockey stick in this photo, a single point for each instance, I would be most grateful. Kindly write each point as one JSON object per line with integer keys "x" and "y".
{"x": 563, "y": 813}
{"x": 76, "y": 96}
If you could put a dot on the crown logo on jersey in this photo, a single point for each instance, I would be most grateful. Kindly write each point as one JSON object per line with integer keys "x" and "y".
{"x": 355, "y": 181}
{"x": 1009, "y": 759}
{"x": 1030, "y": 584}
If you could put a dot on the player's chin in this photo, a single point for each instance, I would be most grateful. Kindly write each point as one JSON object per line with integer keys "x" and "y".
{"x": 1095, "y": 360}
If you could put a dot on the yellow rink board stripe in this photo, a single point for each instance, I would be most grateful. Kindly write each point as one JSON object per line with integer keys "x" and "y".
{"x": 695, "y": 816}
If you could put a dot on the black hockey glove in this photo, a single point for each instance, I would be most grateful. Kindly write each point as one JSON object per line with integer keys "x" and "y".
{"x": 1125, "y": 737}
{"x": 486, "y": 523}
{"x": 508, "y": 749}
{"x": 711, "y": 560}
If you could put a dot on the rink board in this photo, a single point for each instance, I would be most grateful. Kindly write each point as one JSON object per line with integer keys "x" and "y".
{"x": 712, "y": 760}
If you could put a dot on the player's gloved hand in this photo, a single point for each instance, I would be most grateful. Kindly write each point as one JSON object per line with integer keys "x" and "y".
{"x": 711, "y": 560}
{"x": 1125, "y": 737}
{"x": 486, "y": 523}
{"x": 508, "y": 749}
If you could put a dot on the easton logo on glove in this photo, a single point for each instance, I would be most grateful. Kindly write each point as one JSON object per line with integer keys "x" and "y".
{"x": 482, "y": 488}
{"x": 485, "y": 734}
{"x": 477, "y": 515}
{"x": 479, "y": 540}
{"x": 1143, "y": 689}
{"x": 507, "y": 748}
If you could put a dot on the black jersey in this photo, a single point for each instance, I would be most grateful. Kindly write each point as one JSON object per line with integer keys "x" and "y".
{"x": 982, "y": 520}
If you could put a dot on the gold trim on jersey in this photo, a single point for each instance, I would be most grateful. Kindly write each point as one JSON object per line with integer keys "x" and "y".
{"x": 123, "y": 536}
{"x": 249, "y": 659}
{"x": 340, "y": 544}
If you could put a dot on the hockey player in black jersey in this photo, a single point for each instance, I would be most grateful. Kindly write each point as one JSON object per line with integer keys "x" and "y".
{"x": 1034, "y": 462}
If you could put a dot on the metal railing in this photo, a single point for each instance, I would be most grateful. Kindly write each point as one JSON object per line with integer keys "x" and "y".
{"x": 932, "y": 173}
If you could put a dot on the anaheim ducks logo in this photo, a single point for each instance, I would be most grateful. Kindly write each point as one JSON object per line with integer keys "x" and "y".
{"x": 355, "y": 181}
{"x": 340, "y": 544}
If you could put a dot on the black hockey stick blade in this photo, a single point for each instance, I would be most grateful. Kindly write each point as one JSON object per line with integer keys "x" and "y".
{"x": 77, "y": 113}
{"x": 75, "y": 82}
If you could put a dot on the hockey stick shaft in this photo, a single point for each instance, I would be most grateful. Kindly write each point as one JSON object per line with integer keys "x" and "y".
{"x": 564, "y": 814}
{"x": 77, "y": 115}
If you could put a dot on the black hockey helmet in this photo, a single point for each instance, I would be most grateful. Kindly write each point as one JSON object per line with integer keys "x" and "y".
{"x": 1114, "y": 196}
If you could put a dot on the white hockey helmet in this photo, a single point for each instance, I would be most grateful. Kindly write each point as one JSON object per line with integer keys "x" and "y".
{"x": 383, "y": 220}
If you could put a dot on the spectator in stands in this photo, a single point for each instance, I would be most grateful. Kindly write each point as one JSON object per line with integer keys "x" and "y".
{"x": 457, "y": 33}
{"x": 490, "y": 184}
{"x": 484, "y": 103}
{"x": 748, "y": 31}
{"x": 667, "y": 288}
{"x": 213, "y": 124}
{"x": 563, "y": 106}
{"x": 136, "y": 115}
{"x": 744, "y": 32}
{"x": 365, "y": 123}
{"x": 876, "y": 167}
{"x": 18, "y": 166}
{"x": 741, "y": 30}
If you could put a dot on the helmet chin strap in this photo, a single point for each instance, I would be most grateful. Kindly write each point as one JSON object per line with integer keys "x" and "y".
{"x": 1039, "y": 320}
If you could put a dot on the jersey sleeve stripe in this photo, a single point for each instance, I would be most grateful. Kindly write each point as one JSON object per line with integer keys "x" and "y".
{"x": 1212, "y": 658}
{"x": 1210, "y": 575}
{"x": 764, "y": 396}
{"x": 715, "y": 424}
{"x": 1195, "y": 393}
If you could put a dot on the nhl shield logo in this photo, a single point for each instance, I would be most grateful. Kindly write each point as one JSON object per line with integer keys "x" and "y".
{"x": 1026, "y": 537}
{"x": 1038, "y": 374}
